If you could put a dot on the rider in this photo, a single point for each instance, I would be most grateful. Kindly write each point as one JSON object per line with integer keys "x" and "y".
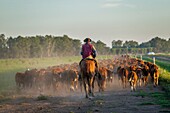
{"x": 88, "y": 51}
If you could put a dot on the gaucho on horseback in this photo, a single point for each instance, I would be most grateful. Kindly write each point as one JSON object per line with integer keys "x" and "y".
{"x": 88, "y": 67}
{"x": 88, "y": 51}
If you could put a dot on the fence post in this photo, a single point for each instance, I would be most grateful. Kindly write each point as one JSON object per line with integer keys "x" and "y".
{"x": 153, "y": 60}
{"x": 141, "y": 57}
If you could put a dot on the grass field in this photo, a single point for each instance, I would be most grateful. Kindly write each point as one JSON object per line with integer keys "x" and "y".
{"x": 9, "y": 67}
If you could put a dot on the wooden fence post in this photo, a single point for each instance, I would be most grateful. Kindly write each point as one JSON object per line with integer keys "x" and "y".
{"x": 153, "y": 60}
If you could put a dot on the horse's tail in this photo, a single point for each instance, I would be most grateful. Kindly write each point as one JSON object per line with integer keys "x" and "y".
{"x": 90, "y": 66}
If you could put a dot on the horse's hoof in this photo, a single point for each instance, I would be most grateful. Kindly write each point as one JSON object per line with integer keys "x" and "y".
{"x": 87, "y": 96}
{"x": 90, "y": 98}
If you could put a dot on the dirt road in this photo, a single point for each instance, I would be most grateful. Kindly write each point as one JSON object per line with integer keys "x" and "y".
{"x": 113, "y": 100}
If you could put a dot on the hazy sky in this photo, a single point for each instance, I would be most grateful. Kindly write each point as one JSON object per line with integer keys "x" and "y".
{"x": 104, "y": 20}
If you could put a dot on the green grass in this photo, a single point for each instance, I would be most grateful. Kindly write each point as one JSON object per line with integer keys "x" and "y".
{"x": 141, "y": 93}
{"x": 22, "y": 64}
{"x": 161, "y": 99}
{"x": 147, "y": 103}
{"x": 4, "y": 99}
{"x": 158, "y": 98}
{"x": 42, "y": 97}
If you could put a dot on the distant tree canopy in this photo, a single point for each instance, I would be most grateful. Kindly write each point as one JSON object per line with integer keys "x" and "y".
{"x": 53, "y": 46}
{"x": 117, "y": 44}
{"x": 130, "y": 44}
{"x": 156, "y": 44}
{"x": 43, "y": 46}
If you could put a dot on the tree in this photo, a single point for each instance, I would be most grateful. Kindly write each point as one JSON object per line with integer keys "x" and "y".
{"x": 159, "y": 44}
{"x": 76, "y": 46}
{"x": 12, "y": 48}
{"x": 101, "y": 47}
{"x": 3, "y": 46}
{"x": 130, "y": 44}
{"x": 23, "y": 46}
{"x": 117, "y": 43}
{"x": 35, "y": 47}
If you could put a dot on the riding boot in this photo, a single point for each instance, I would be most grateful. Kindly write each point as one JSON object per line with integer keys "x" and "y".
{"x": 80, "y": 62}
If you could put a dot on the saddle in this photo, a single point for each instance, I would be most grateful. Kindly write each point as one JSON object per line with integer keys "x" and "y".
{"x": 90, "y": 58}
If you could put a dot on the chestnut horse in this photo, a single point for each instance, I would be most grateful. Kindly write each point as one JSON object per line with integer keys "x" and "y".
{"x": 88, "y": 71}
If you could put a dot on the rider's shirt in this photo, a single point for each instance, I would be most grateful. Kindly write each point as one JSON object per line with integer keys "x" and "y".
{"x": 87, "y": 50}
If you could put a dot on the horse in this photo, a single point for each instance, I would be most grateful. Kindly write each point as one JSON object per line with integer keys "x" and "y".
{"x": 88, "y": 72}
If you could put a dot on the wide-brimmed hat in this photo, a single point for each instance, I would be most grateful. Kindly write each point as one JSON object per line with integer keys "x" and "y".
{"x": 87, "y": 39}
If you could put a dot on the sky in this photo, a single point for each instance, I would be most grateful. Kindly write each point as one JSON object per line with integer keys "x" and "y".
{"x": 105, "y": 20}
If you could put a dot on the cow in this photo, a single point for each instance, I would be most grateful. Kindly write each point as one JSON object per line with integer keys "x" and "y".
{"x": 133, "y": 80}
{"x": 56, "y": 75}
{"x": 154, "y": 72}
{"x": 139, "y": 73}
{"x": 123, "y": 75}
{"x": 109, "y": 75}
{"x": 30, "y": 76}
{"x": 20, "y": 80}
{"x": 70, "y": 78}
{"x": 88, "y": 72}
{"x": 48, "y": 78}
{"x": 146, "y": 73}
{"x": 40, "y": 80}
{"x": 156, "y": 77}
{"x": 101, "y": 79}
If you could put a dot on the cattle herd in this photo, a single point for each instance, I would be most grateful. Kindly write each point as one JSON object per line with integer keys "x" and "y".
{"x": 130, "y": 72}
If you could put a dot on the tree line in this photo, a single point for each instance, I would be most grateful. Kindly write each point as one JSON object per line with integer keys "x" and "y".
{"x": 157, "y": 45}
{"x": 57, "y": 46}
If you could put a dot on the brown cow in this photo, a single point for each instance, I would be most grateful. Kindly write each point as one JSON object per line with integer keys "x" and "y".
{"x": 156, "y": 77}
{"x": 123, "y": 75}
{"x": 139, "y": 73}
{"x": 40, "y": 80}
{"x": 56, "y": 73}
{"x": 88, "y": 71}
{"x": 133, "y": 80}
{"x": 109, "y": 75}
{"x": 20, "y": 80}
{"x": 70, "y": 78}
{"x": 154, "y": 74}
{"x": 102, "y": 78}
{"x": 30, "y": 76}
{"x": 145, "y": 70}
